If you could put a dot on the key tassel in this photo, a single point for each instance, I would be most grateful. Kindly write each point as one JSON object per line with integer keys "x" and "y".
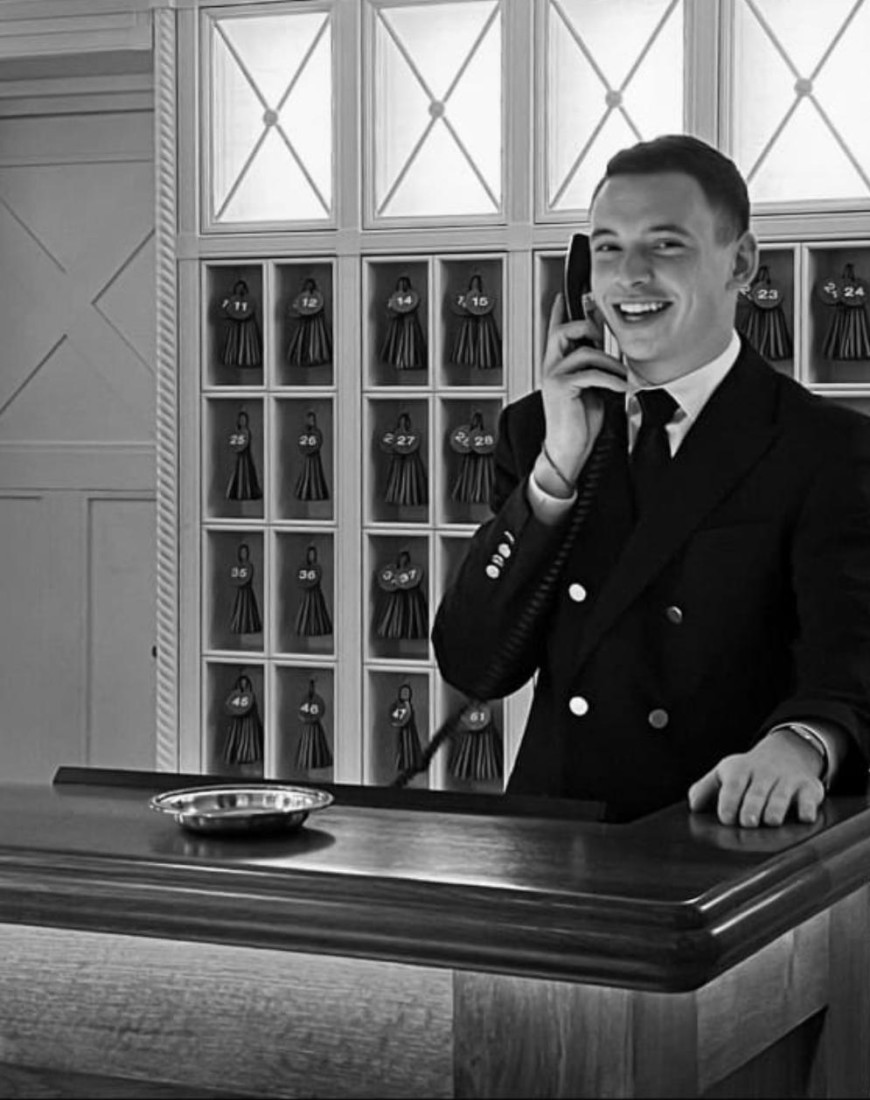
{"x": 245, "y": 618}
{"x": 477, "y": 342}
{"x": 406, "y": 479}
{"x": 312, "y": 616}
{"x": 848, "y": 335}
{"x": 244, "y": 739}
{"x": 476, "y": 748}
{"x": 409, "y": 751}
{"x": 476, "y": 476}
{"x": 311, "y": 483}
{"x": 402, "y": 609}
{"x": 242, "y": 345}
{"x": 310, "y": 342}
{"x": 243, "y": 484}
{"x": 762, "y": 320}
{"x": 405, "y": 344}
{"x": 312, "y": 751}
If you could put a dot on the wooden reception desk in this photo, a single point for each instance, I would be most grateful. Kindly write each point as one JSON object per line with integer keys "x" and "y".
{"x": 398, "y": 951}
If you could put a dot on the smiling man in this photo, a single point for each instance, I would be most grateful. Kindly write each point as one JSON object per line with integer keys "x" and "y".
{"x": 707, "y": 635}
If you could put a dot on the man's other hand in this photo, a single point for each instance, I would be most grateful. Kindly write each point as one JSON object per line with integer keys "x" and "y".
{"x": 760, "y": 786}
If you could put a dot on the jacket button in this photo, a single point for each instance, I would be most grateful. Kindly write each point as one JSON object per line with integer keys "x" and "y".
{"x": 577, "y": 592}
{"x": 497, "y": 559}
{"x": 658, "y": 718}
{"x": 504, "y": 549}
{"x": 493, "y": 572}
{"x": 674, "y": 614}
{"x": 578, "y": 705}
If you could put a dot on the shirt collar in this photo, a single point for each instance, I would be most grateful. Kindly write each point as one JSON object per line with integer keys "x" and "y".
{"x": 691, "y": 391}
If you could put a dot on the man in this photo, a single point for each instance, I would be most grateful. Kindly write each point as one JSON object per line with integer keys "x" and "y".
{"x": 709, "y": 633}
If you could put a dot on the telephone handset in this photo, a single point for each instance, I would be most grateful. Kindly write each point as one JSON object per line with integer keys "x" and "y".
{"x": 577, "y": 273}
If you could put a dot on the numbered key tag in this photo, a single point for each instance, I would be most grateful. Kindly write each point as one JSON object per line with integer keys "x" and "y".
{"x": 482, "y": 441}
{"x": 309, "y": 301}
{"x": 387, "y": 441}
{"x": 240, "y": 700}
{"x": 401, "y": 711}
{"x": 457, "y": 303}
{"x": 766, "y": 296}
{"x": 854, "y": 292}
{"x": 388, "y": 578}
{"x": 404, "y": 298}
{"x": 460, "y": 439}
{"x": 241, "y": 574}
{"x": 829, "y": 291}
{"x": 310, "y": 441}
{"x": 476, "y": 717}
{"x": 240, "y": 440}
{"x": 238, "y": 306}
{"x": 309, "y": 573}
{"x": 405, "y": 442}
{"x": 478, "y": 303}
{"x": 409, "y": 576}
{"x": 312, "y": 708}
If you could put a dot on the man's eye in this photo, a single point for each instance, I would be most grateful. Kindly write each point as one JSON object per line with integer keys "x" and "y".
{"x": 667, "y": 246}
{"x": 605, "y": 248}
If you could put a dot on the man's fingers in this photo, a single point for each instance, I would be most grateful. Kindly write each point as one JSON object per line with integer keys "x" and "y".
{"x": 753, "y": 804}
{"x": 778, "y": 802}
{"x": 703, "y": 791}
{"x": 731, "y": 796}
{"x": 809, "y": 797}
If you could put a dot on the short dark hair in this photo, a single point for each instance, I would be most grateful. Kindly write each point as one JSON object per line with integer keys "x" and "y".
{"x": 717, "y": 175}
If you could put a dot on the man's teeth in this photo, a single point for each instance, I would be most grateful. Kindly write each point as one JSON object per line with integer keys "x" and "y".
{"x": 641, "y": 307}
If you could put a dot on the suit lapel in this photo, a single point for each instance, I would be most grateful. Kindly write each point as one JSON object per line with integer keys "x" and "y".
{"x": 732, "y": 433}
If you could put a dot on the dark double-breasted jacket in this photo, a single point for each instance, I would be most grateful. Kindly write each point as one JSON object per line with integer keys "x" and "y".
{"x": 741, "y": 598}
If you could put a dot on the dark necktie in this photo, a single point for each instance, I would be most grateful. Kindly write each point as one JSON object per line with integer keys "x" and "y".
{"x": 651, "y": 453}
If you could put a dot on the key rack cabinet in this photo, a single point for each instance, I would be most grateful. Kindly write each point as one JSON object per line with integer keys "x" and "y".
{"x": 249, "y": 421}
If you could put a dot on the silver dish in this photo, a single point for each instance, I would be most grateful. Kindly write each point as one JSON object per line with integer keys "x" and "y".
{"x": 241, "y": 809}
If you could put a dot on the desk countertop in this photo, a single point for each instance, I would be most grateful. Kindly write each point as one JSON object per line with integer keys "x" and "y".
{"x": 664, "y": 903}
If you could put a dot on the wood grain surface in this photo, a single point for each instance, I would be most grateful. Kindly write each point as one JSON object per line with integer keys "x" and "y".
{"x": 256, "y": 1022}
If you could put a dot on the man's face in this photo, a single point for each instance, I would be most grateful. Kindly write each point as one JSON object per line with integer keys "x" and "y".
{"x": 663, "y": 281}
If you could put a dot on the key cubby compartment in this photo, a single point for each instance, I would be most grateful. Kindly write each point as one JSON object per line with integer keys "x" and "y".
{"x": 838, "y": 335}
{"x": 228, "y": 736}
{"x": 549, "y": 281}
{"x": 473, "y": 758}
{"x": 231, "y": 337}
{"x": 234, "y": 474}
{"x": 302, "y": 472}
{"x": 397, "y": 346}
{"x": 466, "y": 431}
{"x": 397, "y": 708}
{"x": 452, "y": 550}
{"x": 304, "y": 596}
{"x": 767, "y": 311}
{"x": 471, "y": 313}
{"x": 234, "y": 600}
{"x": 304, "y": 723}
{"x": 303, "y": 321}
{"x": 399, "y": 466}
{"x": 396, "y": 608}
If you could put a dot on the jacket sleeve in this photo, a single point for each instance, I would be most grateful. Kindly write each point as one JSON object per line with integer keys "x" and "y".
{"x": 831, "y": 579}
{"x": 500, "y": 573}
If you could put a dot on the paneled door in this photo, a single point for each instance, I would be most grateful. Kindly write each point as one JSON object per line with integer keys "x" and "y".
{"x": 77, "y": 513}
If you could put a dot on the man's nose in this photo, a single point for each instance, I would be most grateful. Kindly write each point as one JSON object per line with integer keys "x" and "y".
{"x": 635, "y": 268}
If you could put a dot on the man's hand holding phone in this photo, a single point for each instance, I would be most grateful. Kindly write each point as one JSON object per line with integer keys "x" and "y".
{"x": 574, "y": 373}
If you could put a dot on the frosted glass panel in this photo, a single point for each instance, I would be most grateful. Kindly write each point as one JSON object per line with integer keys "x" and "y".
{"x": 614, "y": 76}
{"x": 271, "y": 141}
{"x": 437, "y": 109}
{"x": 801, "y": 112}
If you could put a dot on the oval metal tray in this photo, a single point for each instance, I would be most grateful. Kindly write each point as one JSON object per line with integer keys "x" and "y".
{"x": 241, "y": 809}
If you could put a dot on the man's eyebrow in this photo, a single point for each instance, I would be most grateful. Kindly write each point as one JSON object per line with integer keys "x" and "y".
{"x": 665, "y": 227}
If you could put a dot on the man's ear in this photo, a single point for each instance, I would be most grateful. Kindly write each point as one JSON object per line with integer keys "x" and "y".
{"x": 745, "y": 263}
